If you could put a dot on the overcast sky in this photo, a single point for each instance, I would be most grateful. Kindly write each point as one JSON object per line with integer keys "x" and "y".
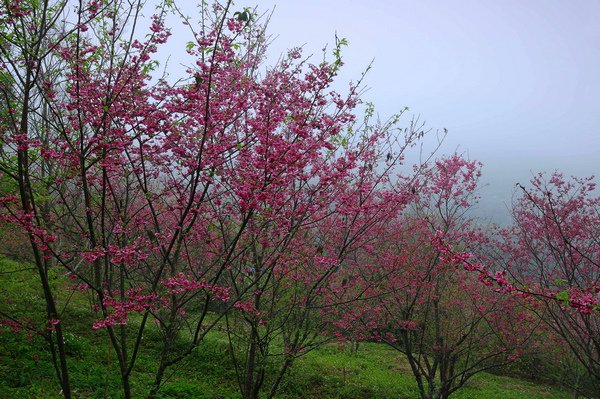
{"x": 517, "y": 83}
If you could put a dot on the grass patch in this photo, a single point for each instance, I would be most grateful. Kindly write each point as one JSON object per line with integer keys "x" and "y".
{"x": 375, "y": 371}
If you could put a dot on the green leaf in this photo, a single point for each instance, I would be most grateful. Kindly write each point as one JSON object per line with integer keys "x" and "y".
{"x": 563, "y": 296}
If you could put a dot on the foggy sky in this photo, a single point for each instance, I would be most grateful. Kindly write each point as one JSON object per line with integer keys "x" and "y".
{"x": 516, "y": 83}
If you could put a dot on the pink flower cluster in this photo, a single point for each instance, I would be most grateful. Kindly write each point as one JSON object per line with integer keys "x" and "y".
{"x": 181, "y": 283}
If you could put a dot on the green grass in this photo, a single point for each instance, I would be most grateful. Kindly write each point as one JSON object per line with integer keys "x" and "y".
{"x": 491, "y": 386}
{"x": 329, "y": 372}
{"x": 375, "y": 371}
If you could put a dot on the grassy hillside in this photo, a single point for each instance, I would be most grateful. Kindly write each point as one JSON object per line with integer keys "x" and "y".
{"x": 374, "y": 371}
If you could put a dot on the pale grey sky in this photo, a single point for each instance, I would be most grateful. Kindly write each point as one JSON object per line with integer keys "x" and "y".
{"x": 517, "y": 83}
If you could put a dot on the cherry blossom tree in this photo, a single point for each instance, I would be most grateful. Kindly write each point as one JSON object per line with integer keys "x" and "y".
{"x": 449, "y": 325}
{"x": 26, "y": 36}
{"x": 232, "y": 188}
{"x": 552, "y": 253}
{"x": 301, "y": 241}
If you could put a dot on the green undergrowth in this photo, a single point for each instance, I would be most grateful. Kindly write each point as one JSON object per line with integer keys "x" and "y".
{"x": 374, "y": 371}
